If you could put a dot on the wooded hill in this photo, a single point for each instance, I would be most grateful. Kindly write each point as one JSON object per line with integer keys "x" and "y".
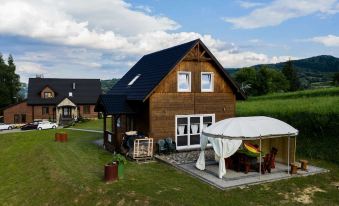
{"x": 315, "y": 71}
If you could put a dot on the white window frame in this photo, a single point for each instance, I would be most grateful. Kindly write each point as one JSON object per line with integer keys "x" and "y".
{"x": 189, "y": 146}
{"x": 190, "y": 81}
{"x": 212, "y": 82}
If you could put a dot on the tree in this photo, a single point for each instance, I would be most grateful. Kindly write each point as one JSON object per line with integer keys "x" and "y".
{"x": 262, "y": 81}
{"x": 336, "y": 79}
{"x": 291, "y": 75}
{"x": 14, "y": 80}
{"x": 247, "y": 78}
{"x": 9, "y": 82}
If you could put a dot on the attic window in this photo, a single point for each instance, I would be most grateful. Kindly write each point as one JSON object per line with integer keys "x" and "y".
{"x": 70, "y": 94}
{"x": 184, "y": 81}
{"x": 133, "y": 80}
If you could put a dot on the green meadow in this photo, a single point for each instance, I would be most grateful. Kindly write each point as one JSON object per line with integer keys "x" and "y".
{"x": 315, "y": 113}
{"x": 35, "y": 170}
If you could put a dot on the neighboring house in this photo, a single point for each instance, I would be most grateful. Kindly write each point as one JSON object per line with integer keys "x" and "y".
{"x": 57, "y": 100}
{"x": 174, "y": 93}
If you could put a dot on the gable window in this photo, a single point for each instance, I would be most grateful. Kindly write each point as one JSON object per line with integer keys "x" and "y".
{"x": 86, "y": 109}
{"x": 45, "y": 110}
{"x": 207, "y": 82}
{"x": 184, "y": 81}
{"x": 48, "y": 95}
{"x": 133, "y": 80}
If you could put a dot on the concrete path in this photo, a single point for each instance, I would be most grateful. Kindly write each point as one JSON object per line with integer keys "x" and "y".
{"x": 85, "y": 130}
{"x": 14, "y": 131}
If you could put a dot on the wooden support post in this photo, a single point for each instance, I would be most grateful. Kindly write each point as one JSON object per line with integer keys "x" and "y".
{"x": 105, "y": 128}
{"x": 260, "y": 160}
{"x": 288, "y": 155}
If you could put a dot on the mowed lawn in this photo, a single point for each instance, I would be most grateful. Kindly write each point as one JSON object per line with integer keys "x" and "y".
{"x": 35, "y": 170}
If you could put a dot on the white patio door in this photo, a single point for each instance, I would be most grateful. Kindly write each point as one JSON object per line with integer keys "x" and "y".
{"x": 188, "y": 129}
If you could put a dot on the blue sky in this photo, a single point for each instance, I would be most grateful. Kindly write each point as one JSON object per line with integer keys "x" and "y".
{"x": 104, "y": 38}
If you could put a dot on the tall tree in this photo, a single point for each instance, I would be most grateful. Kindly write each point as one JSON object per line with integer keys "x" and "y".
{"x": 291, "y": 75}
{"x": 14, "y": 80}
{"x": 9, "y": 82}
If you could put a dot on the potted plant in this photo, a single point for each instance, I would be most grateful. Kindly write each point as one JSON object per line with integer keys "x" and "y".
{"x": 121, "y": 160}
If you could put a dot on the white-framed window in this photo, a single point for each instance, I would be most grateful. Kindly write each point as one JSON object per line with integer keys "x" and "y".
{"x": 207, "y": 81}
{"x": 188, "y": 129}
{"x": 184, "y": 81}
{"x": 70, "y": 94}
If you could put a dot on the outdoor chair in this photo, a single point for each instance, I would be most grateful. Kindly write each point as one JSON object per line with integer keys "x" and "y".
{"x": 269, "y": 161}
{"x": 170, "y": 145}
{"x": 161, "y": 147}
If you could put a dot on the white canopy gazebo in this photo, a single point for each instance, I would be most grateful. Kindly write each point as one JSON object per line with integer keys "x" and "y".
{"x": 227, "y": 135}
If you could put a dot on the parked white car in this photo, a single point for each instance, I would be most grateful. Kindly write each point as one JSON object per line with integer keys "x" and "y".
{"x": 46, "y": 125}
{"x": 6, "y": 126}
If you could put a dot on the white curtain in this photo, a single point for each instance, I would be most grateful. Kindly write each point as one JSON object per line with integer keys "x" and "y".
{"x": 223, "y": 148}
{"x": 201, "y": 160}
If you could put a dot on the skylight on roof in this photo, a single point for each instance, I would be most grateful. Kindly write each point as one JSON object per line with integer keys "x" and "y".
{"x": 133, "y": 80}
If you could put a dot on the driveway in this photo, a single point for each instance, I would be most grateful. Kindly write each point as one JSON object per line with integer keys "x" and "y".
{"x": 14, "y": 131}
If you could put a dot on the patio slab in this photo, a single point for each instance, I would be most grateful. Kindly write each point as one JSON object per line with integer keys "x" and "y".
{"x": 234, "y": 179}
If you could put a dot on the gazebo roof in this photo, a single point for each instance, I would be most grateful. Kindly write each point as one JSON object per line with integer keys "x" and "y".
{"x": 249, "y": 128}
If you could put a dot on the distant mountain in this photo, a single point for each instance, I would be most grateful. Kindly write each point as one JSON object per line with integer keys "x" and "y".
{"x": 106, "y": 85}
{"x": 323, "y": 63}
{"x": 315, "y": 71}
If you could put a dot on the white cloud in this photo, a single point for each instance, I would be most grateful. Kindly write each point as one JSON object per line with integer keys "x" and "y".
{"x": 106, "y": 34}
{"x": 249, "y": 4}
{"x": 329, "y": 40}
{"x": 247, "y": 58}
{"x": 281, "y": 10}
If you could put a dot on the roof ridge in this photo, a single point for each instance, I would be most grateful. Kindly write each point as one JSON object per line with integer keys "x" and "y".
{"x": 176, "y": 46}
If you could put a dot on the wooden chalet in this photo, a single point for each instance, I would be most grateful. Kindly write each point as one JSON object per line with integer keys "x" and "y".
{"x": 175, "y": 92}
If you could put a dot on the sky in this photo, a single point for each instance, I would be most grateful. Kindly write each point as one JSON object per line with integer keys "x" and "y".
{"x": 105, "y": 38}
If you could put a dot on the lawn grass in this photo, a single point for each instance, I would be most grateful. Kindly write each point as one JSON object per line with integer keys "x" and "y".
{"x": 315, "y": 113}
{"x": 94, "y": 124}
{"x": 35, "y": 170}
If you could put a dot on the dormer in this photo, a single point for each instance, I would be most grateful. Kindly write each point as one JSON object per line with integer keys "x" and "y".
{"x": 47, "y": 93}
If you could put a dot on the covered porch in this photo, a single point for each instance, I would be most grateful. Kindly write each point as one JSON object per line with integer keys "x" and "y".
{"x": 115, "y": 108}
{"x": 66, "y": 112}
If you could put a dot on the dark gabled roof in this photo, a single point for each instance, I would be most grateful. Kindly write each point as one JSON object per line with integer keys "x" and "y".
{"x": 113, "y": 104}
{"x": 86, "y": 91}
{"x": 153, "y": 67}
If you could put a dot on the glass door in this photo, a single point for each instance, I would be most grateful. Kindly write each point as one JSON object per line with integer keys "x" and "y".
{"x": 182, "y": 131}
{"x": 188, "y": 129}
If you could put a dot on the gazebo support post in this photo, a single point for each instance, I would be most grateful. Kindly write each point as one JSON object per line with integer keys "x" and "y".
{"x": 288, "y": 155}
{"x": 260, "y": 159}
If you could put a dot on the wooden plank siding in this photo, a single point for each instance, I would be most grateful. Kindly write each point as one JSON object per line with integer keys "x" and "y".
{"x": 166, "y": 102}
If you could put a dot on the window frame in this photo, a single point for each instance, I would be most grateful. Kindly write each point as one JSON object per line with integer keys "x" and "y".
{"x": 45, "y": 112}
{"x": 189, "y": 134}
{"x": 189, "y": 83}
{"x": 48, "y": 97}
{"x": 212, "y": 82}
{"x": 85, "y": 111}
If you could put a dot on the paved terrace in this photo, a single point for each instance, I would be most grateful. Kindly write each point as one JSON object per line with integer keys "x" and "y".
{"x": 186, "y": 162}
